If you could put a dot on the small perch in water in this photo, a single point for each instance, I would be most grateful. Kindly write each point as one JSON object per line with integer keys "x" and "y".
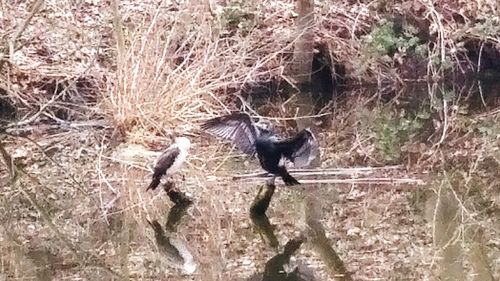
{"x": 262, "y": 199}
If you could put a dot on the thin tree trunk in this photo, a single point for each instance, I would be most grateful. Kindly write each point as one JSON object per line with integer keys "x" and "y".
{"x": 299, "y": 70}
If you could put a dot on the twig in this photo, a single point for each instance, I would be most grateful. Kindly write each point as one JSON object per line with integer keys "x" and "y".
{"x": 62, "y": 126}
{"x": 445, "y": 123}
{"x": 42, "y": 108}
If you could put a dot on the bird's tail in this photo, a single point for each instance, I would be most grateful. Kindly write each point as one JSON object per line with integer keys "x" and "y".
{"x": 286, "y": 177}
{"x": 154, "y": 183}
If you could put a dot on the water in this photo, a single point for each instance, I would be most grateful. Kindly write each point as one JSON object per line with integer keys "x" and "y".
{"x": 406, "y": 189}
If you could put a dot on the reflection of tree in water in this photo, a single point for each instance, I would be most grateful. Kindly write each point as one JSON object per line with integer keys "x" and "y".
{"x": 314, "y": 233}
{"x": 171, "y": 249}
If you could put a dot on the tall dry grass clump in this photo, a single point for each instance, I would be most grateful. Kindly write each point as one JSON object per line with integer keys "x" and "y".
{"x": 159, "y": 68}
{"x": 170, "y": 62}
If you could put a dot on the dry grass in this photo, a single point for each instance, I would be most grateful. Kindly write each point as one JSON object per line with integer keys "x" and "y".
{"x": 169, "y": 72}
{"x": 158, "y": 68}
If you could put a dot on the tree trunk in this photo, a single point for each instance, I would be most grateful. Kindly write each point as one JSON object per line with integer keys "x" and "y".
{"x": 299, "y": 70}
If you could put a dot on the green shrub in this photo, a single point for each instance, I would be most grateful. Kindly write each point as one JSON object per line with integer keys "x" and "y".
{"x": 390, "y": 130}
{"x": 385, "y": 39}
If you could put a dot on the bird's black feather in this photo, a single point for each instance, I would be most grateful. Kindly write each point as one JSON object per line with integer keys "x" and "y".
{"x": 298, "y": 146}
{"x": 237, "y": 127}
{"x": 163, "y": 164}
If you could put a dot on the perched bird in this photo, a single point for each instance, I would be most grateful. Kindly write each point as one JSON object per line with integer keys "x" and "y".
{"x": 170, "y": 161}
{"x": 258, "y": 138}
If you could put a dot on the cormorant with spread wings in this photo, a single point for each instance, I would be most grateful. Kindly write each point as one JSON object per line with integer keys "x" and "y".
{"x": 252, "y": 137}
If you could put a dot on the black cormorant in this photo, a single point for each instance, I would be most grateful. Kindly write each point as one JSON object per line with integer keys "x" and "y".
{"x": 254, "y": 138}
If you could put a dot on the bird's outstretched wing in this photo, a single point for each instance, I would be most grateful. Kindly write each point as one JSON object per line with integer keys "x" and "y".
{"x": 307, "y": 152}
{"x": 163, "y": 163}
{"x": 237, "y": 127}
{"x": 301, "y": 149}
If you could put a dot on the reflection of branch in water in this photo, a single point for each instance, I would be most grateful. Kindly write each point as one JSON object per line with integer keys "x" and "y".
{"x": 444, "y": 212}
{"x": 173, "y": 249}
{"x": 316, "y": 236}
{"x": 265, "y": 229}
{"x": 258, "y": 214}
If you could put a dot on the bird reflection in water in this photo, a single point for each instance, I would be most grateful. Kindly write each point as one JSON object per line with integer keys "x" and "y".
{"x": 274, "y": 269}
{"x": 172, "y": 249}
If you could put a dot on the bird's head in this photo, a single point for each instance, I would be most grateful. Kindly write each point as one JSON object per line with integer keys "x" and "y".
{"x": 310, "y": 133}
{"x": 265, "y": 126}
{"x": 183, "y": 142}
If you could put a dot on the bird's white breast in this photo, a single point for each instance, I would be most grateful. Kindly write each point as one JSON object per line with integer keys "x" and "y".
{"x": 179, "y": 160}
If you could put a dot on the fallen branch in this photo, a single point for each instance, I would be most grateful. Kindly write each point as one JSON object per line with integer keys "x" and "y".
{"x": 358, "y": 175}
{"x": 61, "y": 126}
{"x": 327, "y": 171}
{"x": 357, "y": 181}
